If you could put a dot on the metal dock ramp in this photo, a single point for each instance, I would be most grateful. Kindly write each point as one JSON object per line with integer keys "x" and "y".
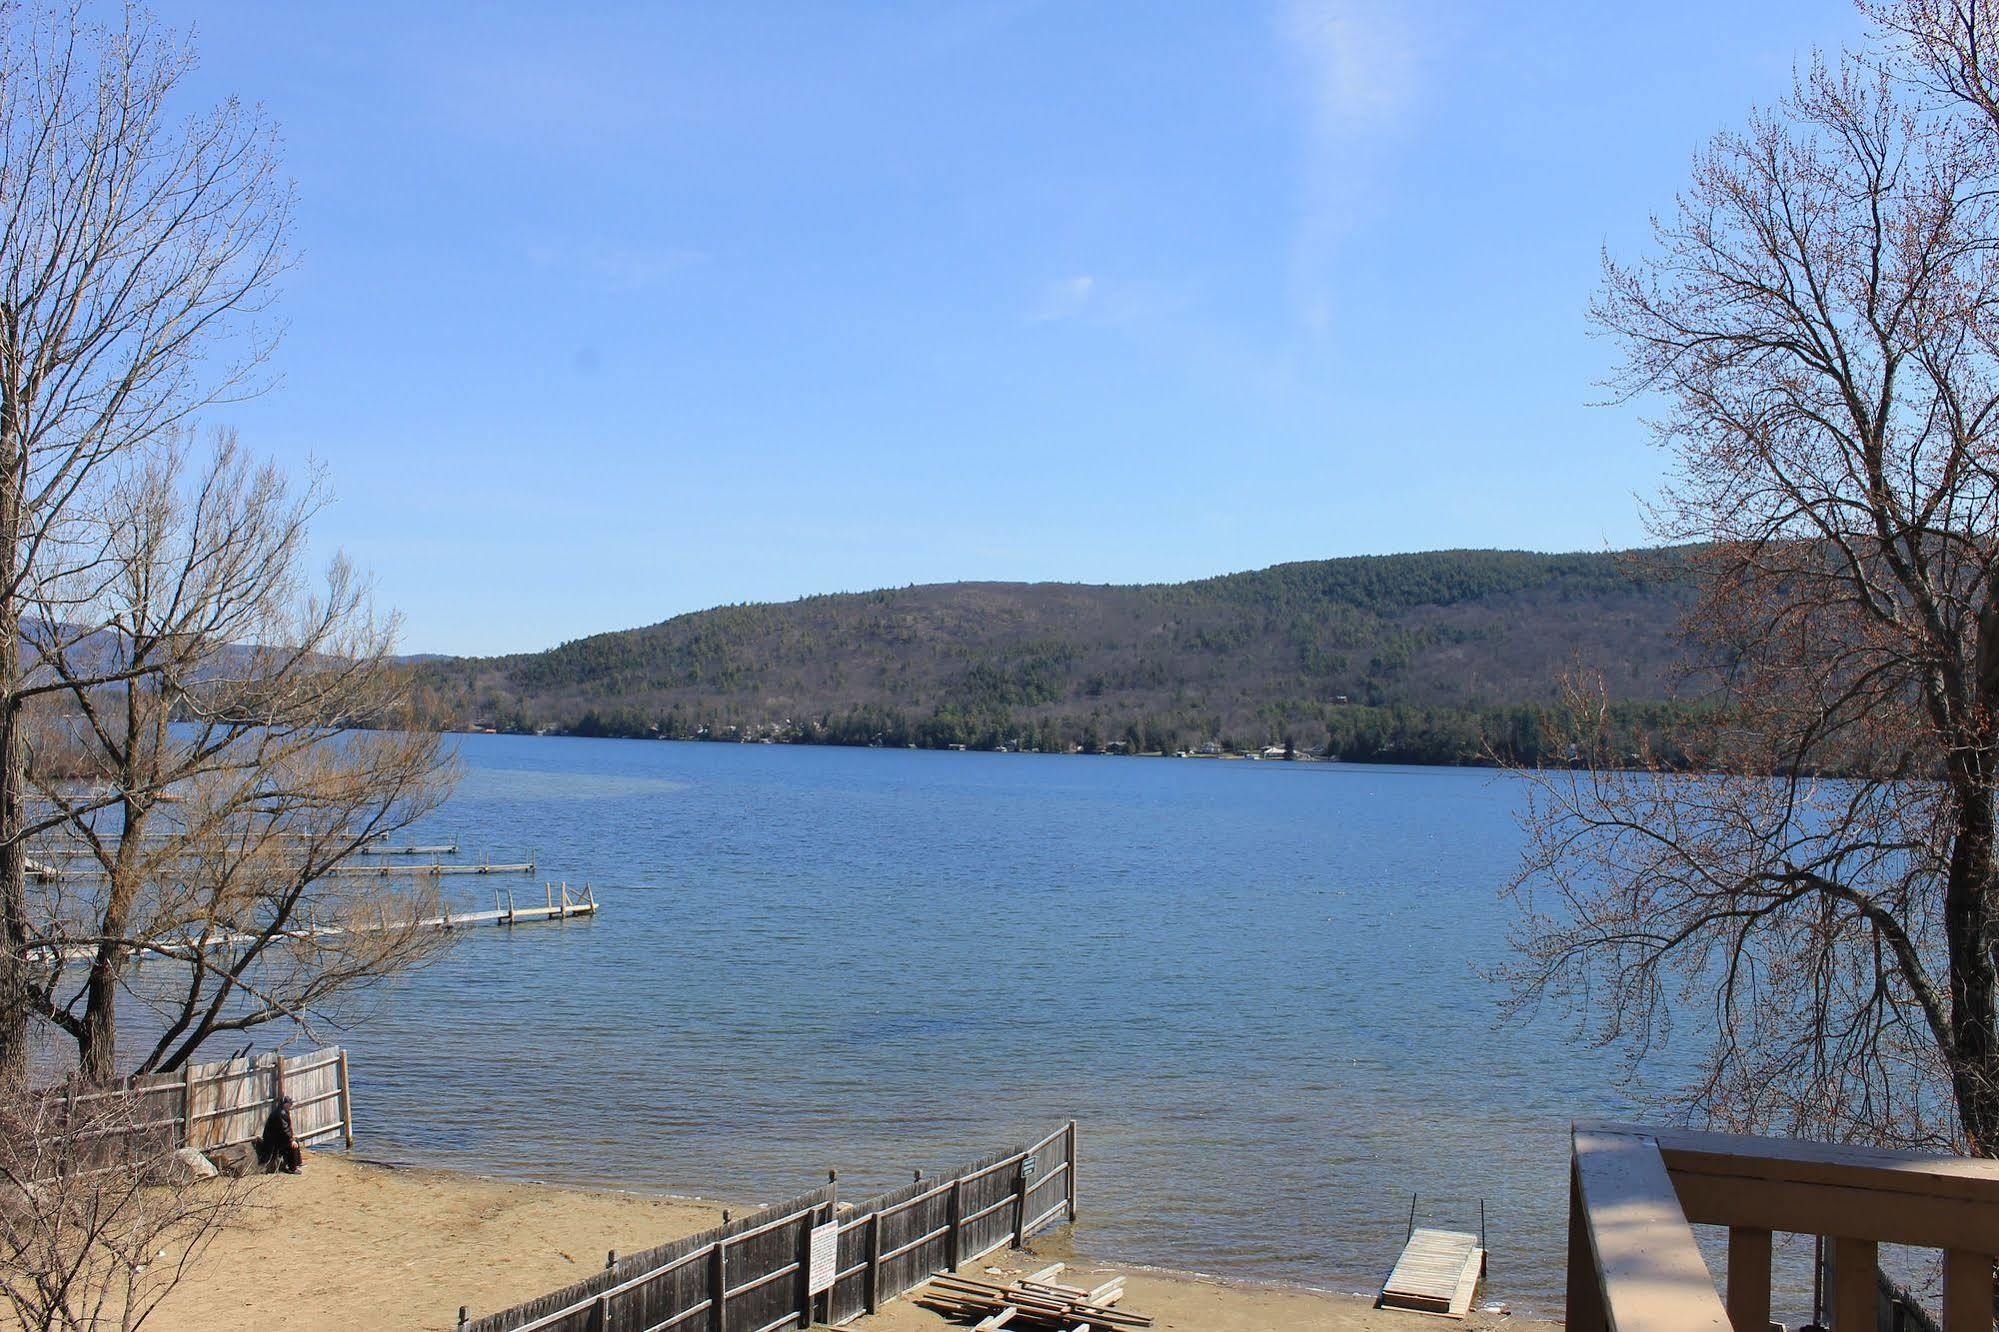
{"x": 1438, "y": 1273}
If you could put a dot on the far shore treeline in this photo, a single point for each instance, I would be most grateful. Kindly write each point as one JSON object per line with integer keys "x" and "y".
{"x": 1445, "y": 657}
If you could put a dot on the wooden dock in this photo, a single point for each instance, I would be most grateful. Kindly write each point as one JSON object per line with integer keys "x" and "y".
{"x": 369, "y": 848}
{"x": 1438, "y": 1273}
{"x": 44, "y": 872}
{"x": 433, "y": 869}
{"x": 566, "y": 906}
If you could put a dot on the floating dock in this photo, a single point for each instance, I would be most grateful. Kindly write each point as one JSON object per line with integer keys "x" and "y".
{"x": 1438, "y": 1273}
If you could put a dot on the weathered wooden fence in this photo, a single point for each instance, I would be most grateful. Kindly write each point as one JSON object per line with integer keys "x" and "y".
{"x": 216, "y": 1105}
{"x": 811, "y": 1258}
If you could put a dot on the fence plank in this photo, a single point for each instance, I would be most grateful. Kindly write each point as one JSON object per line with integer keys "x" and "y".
{"x": 718, "y": 1286}
{"x": 874, "y": 1262}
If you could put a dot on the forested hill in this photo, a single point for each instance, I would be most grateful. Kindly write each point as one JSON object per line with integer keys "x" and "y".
{"x": 1417, "y": 657}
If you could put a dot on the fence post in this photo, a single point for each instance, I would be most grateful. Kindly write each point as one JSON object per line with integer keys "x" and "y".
{"x": 804, "y": 1301}
{"x": 1020, "y": 1204}
{"x": 825, "y": 1309}
{"x": 953, "y": 1250}
{"x": 718, "y": 1285}
{"x": 874, "y": 1261}
{"x": 1069, "y": 1180}
{"x": 187, "y": 1104}
{"x": 346, "y": 1103}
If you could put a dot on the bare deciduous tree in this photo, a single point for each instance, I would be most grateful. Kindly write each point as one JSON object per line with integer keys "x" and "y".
{"x": 136, "y": 248}
{"x": 1817, "y": 322}
{"x": 214, "y": 699}
{"x": 98, "y": 1220}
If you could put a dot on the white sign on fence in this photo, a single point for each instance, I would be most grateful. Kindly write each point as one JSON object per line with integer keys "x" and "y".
{"x": 825, "y": 1258}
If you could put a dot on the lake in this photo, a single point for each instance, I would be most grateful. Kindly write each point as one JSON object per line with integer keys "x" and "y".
{"x": 1256, "y": 985}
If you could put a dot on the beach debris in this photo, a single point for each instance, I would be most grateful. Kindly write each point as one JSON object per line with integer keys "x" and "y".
{"x": 1032, "y": 1301}
{"x": 187, "y": 1164}
{"x": 235, "y": 1159}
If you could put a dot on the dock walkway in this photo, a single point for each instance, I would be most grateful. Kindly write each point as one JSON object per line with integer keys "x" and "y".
{"x": 1438, "y": 1273}
{"x": 567, "y": 907}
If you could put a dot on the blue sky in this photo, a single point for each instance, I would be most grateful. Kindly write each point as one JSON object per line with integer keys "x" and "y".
{"x": 604, "y": 313}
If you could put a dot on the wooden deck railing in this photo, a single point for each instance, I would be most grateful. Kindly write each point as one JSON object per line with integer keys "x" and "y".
{"x": 1634, "y": 1192}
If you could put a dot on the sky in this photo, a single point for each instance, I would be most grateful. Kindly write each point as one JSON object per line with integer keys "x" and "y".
{"x": 603, "y": 313}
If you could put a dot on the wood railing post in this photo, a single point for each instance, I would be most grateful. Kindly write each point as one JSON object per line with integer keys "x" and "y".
{"x": 874, "y": 1262}
{"x": 1967, "y": 1291}
{"x": 1585, "y": 1301}
{"x": 805, "y": 1224}
{"x": 1020, "y": 1205}
{"x": 954, "y": 1239}
{"x": 187, "y": 1104}
{"x": 1069, "y": 1180}
{"x": 825, "y": 1309}
{"x": 718, "y": 1286}
{"x": 1748, "y": 1279}
{"x": 346, "y": 1103}
{"x": 1855, "y": 1289}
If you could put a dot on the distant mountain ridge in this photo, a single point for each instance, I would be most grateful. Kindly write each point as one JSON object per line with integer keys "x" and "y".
{"x": 1402, "y": 656}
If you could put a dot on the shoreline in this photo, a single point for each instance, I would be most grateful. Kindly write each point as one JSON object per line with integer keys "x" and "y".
{"x": 1059, "y": 1248}
{"x": 358, "y": 1241}
{"x": 1335, "y": 760}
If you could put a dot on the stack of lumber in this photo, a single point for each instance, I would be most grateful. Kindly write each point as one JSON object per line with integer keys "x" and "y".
{"x": 1032, "y": 1301}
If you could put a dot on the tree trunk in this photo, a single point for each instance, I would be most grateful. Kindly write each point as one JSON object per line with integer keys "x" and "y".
{"x": 16, "y": 976}
{"x": 1974, "y": 987}
{"x": 97, "y": 1042}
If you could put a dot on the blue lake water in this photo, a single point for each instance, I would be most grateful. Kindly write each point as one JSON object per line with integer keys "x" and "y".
{"x": 1255, "y": 985}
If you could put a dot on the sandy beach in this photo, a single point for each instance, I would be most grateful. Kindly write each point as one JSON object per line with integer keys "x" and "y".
{"x": 351, "y": 1244}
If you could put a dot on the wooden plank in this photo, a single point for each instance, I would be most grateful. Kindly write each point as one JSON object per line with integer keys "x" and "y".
{"x": 718, "y": 1285}
{"x": 1854, "y": 1285}
{"x": 1749, "y": 1279}
{"x": 970, "y": 1295}
{"x": 954, "y": 1246}
{"x": 1927, "y": 1174}
{"x": 1649, "y": 1270}
{"x": 1069, "y": 1183}
{"x": 1584, "y": 1309}
{"x": 1891, "y": 1217}
{"x": 346, "y": 1103}
{"x": 1467, "y": 1288}
{"x": 1967, "y": 1292}
{"x": 874, "y": 1262}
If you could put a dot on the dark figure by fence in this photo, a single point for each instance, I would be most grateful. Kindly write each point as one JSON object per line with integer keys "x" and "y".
{"x": 278, "y": 1148}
